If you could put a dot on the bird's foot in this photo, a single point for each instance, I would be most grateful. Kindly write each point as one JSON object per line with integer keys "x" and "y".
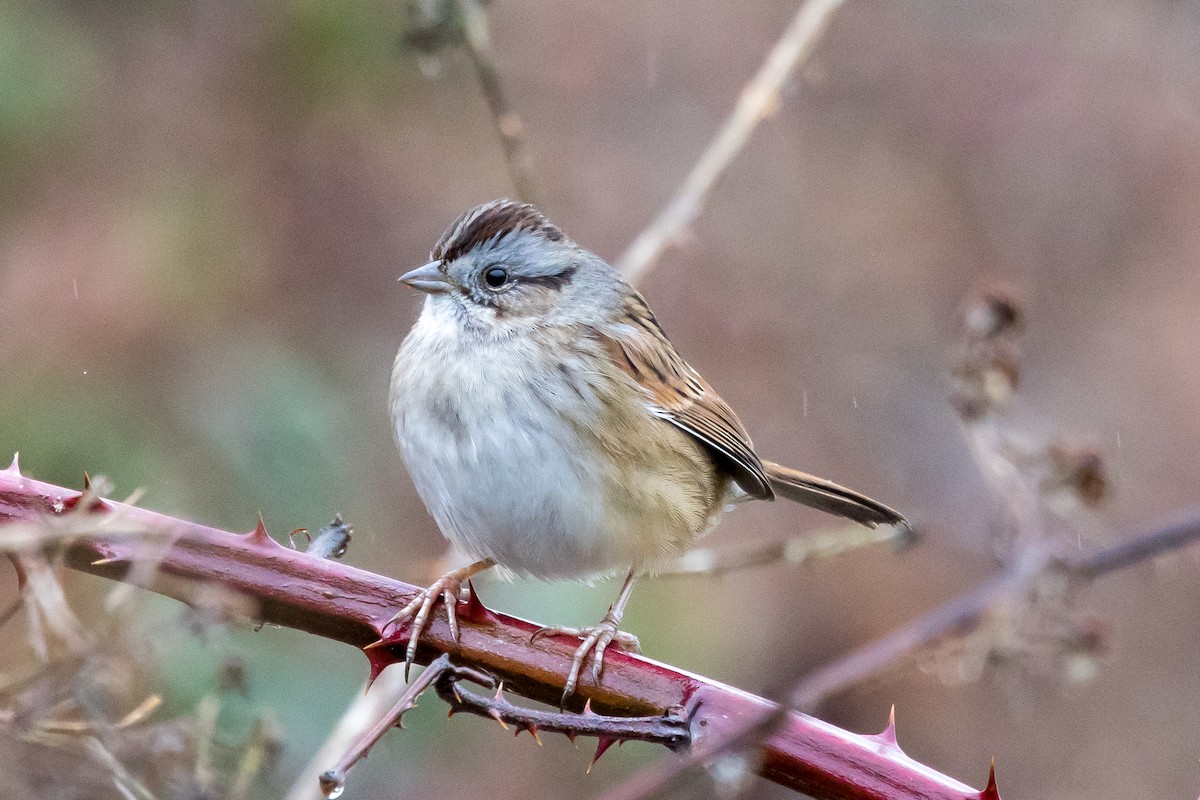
{"x": 448, "y": 588}
{"x": 596, "y": 639}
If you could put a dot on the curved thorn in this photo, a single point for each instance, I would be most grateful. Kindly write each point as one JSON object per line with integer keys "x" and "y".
{"x": 602, "y": 745}
{"x": 259, "y": 535}
{"x": 474, "y": 609}
{"x": 888, "y": 735}
{"x": 991, "y": 792}
{"x": 15, "y": 466}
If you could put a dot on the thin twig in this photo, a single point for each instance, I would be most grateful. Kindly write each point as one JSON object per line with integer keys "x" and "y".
{"x": 1138, "y": 549}
{"x": 824, "y": 543}
{"x": 757, "y": 101}
{"x": 960, "y": 613}
{"x": 670, "y": 729}
{"x": 333, "y": 781}
{"x": 508, "y": 124}
{"x": 964, "y": 611}
{"x": 366, "y": 708}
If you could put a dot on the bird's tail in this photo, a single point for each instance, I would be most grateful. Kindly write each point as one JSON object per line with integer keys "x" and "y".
{"x": 829, "y": 497}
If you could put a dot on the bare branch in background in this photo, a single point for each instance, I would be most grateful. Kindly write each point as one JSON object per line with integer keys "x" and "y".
{"x": 508, "y": 124}
{"x": 966, "y": 610}
{"x": 822, "y": 543}
{"x": 436, "y": 24}
{"x": 758, "y": 100}
{"x": 1022, "y": 612}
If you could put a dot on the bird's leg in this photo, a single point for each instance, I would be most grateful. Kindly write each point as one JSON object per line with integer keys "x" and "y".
{"x": 596, "y": 638}
{"x": 447, "y": 587}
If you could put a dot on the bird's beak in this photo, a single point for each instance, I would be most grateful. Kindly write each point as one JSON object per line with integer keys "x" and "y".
{"x": 429, "y": 279}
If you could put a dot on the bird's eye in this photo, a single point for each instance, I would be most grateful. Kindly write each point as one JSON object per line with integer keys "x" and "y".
{"x": 495, "y": 277}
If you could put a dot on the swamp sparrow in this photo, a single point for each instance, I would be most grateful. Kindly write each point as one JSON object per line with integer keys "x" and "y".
{"x": 551, "y": 428}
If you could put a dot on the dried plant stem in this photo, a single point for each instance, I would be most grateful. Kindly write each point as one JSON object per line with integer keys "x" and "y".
{"x": 670, "y": 729}
{"x": 956, "y": 615}
{"x": 333, "y": 781}
{"x": 340, "y": 602}
{"x": 1184, "y": 531}
{"x": 824, "y": 543}
{"x": 964, "y": 612}
{"x": 366, "y": 708}
{"x": 758, "y": 100}
{"x": 508, "y": 124}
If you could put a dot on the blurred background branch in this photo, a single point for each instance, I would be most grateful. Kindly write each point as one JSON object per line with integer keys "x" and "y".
{"x": 758, "y": 100}
{"x": 438, "y": 23}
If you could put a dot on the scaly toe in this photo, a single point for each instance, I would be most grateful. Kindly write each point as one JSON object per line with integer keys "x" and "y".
{"x": 420, "y": 609}
{"x": 627, "y": 642}
{"x": 404, "y": 613}
{"x": 558, "y": 630}
{"x": 602, "y": 642}
{"x": 596, "y": 640}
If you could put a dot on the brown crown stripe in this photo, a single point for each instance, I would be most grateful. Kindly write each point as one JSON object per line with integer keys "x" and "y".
{"x": 492, "y": 221}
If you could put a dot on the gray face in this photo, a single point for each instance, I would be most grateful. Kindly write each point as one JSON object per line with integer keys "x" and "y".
{"x": 503, "y": 278}
{"x": 520, "y": 275}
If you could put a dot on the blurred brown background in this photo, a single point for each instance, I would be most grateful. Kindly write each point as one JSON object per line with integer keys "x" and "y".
{"x": 206, "y": 206}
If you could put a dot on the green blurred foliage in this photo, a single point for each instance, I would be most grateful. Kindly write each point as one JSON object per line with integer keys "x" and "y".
{"x": 327, "y": 49}
{"x": 46, "y": 67}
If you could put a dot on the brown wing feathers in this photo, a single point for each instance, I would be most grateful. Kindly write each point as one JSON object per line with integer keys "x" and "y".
{"x": 682, "y": 397}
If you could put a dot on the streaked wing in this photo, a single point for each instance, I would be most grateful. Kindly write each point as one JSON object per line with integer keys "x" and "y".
{"x": 678, "y": 394}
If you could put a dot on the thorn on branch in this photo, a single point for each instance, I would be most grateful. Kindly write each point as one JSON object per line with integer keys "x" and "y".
{"x": 991, "y": 791}
{"x": 260, "y": 536}
{"x": 887, "y": 737}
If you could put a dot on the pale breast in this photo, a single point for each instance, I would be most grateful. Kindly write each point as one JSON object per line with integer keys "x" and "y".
{"x": 535, "y": 451}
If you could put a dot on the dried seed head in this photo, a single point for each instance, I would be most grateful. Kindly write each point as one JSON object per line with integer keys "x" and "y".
{"x": 993, "y": 311}
{"x": 1080, "y": 469}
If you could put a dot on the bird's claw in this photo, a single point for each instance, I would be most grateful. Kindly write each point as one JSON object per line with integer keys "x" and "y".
{"x": 596, "y": 639}
{"x": 447, "y": 587}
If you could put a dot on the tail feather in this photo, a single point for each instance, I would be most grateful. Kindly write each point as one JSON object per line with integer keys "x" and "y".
{"x": 829, "y": 497}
